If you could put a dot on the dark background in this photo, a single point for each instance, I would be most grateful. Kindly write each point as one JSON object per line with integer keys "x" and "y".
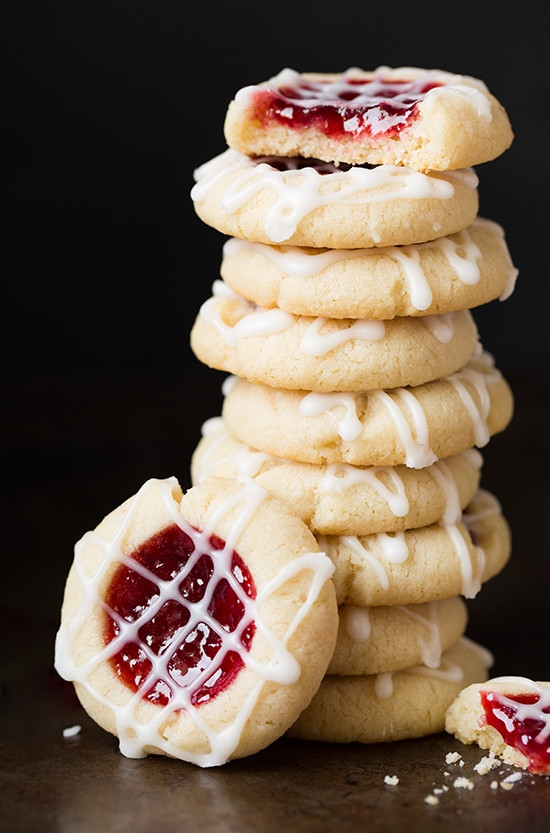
{"x": 108, "y": 108}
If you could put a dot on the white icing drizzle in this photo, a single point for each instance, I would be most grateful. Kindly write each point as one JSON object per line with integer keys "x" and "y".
{"x": 339, "y": 477}
{"x": 441, "y": 326}
{"x": 357, "y": 622}
{"x": 418, "y": 453}
{"x": 462, "y": 254}
{"x": 299, "y": 191}
{"x": 134, "y": 734}
{"x": 254, "y": 321}
{"x": 446, "y": 670}
{"x": 480, "y": 371}
{"x": 349, "y": 425}
{"x": 359, "y": 628}
{"x": 396, "y": 550}
{"x": 317, "y": 343}
{"x": 538, "y": 711}
{"x": 321, "y": 336}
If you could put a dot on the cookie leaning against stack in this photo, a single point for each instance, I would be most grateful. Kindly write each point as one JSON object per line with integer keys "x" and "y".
{"x": 358, "y": 387}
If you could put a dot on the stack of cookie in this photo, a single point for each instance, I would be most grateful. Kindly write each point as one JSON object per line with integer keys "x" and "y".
{"x": 358, "y": 389}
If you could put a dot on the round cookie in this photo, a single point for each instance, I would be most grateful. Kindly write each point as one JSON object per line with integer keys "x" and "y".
{"x": 395, "y": 706}
{"x": 374, "y": 640}
{"x": 281, "y": 350}
{"x": 519, "y": 709}
{"x": 427, "y": 119}
{"x": 425, "y": 564}
{"x": 307, "y": 203}
{"x": 200, "y": 625}
{"x": 462, "y": 271}
{"x": 340, "y": 499}
{"x": 404, "y": 426}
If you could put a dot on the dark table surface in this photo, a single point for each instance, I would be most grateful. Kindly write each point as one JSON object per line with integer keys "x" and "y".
{"x": 74, "y": 448}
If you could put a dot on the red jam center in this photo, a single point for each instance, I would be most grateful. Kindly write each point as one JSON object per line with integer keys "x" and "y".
{"x": 523, "y": 722}
{"x": 177, "y": 608}
{"x": 345, "y": 107}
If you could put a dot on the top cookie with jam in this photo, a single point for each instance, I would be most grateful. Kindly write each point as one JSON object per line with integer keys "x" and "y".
{"x": 426, "y": 119}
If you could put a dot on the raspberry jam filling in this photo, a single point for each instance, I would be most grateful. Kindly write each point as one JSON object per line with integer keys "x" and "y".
{"x": 345, "y": 107}
{"x": 184, "y": 616}
{"x": 523, "y": 721}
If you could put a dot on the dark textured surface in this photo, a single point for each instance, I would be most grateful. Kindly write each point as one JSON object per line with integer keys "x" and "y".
{"x": 75, "y": 448}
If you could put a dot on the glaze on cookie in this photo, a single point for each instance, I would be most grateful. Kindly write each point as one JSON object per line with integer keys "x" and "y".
{"x": 392, "y": 706}
{"x": 509, "y": 716}
{"x": 462, "y": 271}
{"x": 404, "y": 426}
{"x": 309, "y": 203}
{"x": 276, "y": 348}
{"x": 340, "y": 499}
{"x": 200, "y": 625}
{"x": 421, "y": 565}
{"x": 426, "y": 119}
{"x": 375, "y": 640}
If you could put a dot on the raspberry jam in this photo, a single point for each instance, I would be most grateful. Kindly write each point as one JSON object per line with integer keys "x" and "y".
{"x": 523, "y": 721}
{"x": 184, "y": 616}
{"x": 344, "y": 107}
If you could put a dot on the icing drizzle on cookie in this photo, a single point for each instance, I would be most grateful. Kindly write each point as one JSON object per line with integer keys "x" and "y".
{"x": 299, "y": 187}
{"x": 141, "y": 725}
{"x": 460, "y": 250}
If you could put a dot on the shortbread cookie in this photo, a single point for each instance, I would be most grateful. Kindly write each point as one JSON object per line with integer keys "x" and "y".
{"x": 197, "y": 626}
{"x": 386, "y": 707}
{"x": 427, "y": 119}
{"x": 282, "y": 350}
{"x": 309, "y": 203}
{"x": 462, "y": 271}
{"x": 410, "y": 426}
{"x": 509, "y": 716}
{"x": 422, "y": 565}
{"x": 339, "y": 499}
{"x": 374, "y": 640}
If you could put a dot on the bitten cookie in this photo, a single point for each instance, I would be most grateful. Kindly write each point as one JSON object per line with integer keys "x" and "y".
{"x": 340, "y": 499}
{"x": 422, "y": 565}
{"x": 374, "y": 640}
{"x": 386, "y": 707}
{"x": 461, "y": 271}
{"x": 275, "y": 348}
{"x": 200, "y": 625}
{"x": 308, "y": 203}
{"x": 427, "y": 119}
{"x": 509, "y": 716}
{"x": 404, "y": 426}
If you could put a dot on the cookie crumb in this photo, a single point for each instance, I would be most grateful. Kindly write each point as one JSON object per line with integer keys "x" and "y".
{"x": 431, "y": 799}
{"x": 494, "y": 785}
{"x": 71, "y": 731}
{"x": 486, "y": 764}
{"x": 452, "y": 757}
{"x": 463, "y": 783}
{"x": 392, "y": 780}
{"x": 506, "y": 785}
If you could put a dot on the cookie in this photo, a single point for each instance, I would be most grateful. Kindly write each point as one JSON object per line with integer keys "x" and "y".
{"x": 509, "y": 716}
{"x": 462, "y": 271}
{"x": 425, "y": 564}
{"x": 404, "y": 426}
{"x": 426, "y": 119}
{"x": 395, "y": 706}
{"x": 340, "y": 499}
{"x": 200, "y": 625}
{"x": 309, "y": 203}
{"x": 282, "y": 350}
{"x": 375, "y": 640}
